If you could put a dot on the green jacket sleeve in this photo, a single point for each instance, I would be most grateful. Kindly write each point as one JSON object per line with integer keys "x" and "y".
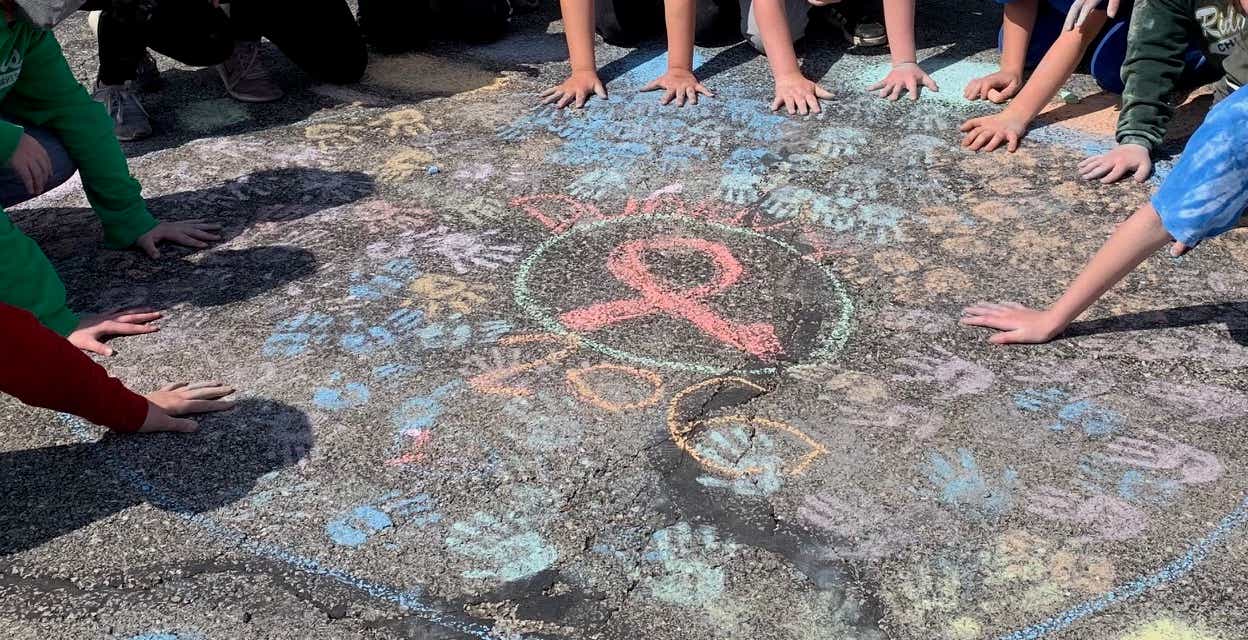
{"x": 47, "y": 95}
{"x": 1159, "y": 34}
{"x": 28, "y": 281}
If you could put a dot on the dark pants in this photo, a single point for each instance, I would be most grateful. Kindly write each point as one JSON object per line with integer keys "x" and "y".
{"x": 13, "y": 190}
{"x": 625, "y": 23}
{"x": 394, "y": 26}
{"x": 320, "y": 36}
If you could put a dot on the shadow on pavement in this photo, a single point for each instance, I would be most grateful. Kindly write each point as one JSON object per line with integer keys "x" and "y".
{"x": 52, "y": 491}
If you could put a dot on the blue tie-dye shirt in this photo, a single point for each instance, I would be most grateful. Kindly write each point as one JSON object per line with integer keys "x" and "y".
{"x": 1206, "y": 193}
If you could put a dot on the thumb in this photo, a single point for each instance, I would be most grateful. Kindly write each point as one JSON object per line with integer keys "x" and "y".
{"x": 822, "y": 93}
{"x": 1178, "y": 249}
{"x": 1001, "y": 338}
{"x": 600, "y": 90}
{"x": 148, "y": 246}
{"x": 99, "y": 348}
{"x": 930, "y": 83}
{"x": 650, "y": 87}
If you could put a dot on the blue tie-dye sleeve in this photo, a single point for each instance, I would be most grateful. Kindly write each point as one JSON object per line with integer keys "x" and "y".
{"x": 1206, "y": 193}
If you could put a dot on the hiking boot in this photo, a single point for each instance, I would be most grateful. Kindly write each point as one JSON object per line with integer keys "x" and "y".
{"x": 857, "y": 31}
{"x": 244, "y": 76}
{"x": 147, "y": 74}
{"x": 130, "y": 119}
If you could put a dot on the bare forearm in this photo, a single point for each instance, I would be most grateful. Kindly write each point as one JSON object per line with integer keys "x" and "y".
{"x": 1020, "y": 19}
{"x": 680, "y": 15}
{"x": 1055, "y": 69}
{"x": 773, "y": 27}
{"x": 1131, "y": 243}
{"x": 578, "y": 27}
{"x": 899, "y": 22}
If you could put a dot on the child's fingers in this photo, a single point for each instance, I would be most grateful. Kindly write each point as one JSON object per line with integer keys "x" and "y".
{"x": 931, "y": 84}
{"x": 651, "y": 87}
{"x": 553, "y": 91}
{"x": 822, "y": 94}
{"x": 142, "y": 317}
{"x": 775, "y": 104}
{"x": 564, "y": 100}
{"x": 28, "y": 178}
{"x": 875, "y": 87}
{"x": 551, "y": 96}
{"x": 208, "y": 406}
{"x": 691, "y": 95}
{"x": 971, "y": 91}
{"x": 969, "y": 125}
{"x": 895, "y": 94}
{"x": 1179, "y": 249}
{"x": 667, "y": 98}
{"x": 1012, "y": 139}
{"x": 174, "y": 386}
{"x": 703, "y": 90}
{"x": 1007, "y": 337}
{"x": 813, "y": 103}
{"x": 1095, "y": 170}
{"x": 679, "y": 97}
{"x": 912, "y": 86}
{"x": 600, "y": 90}
{"x": 1083, "y": 164}
{"x": 802, "y": 107}
{"x": 1115, "y": 174}
{"x": 115, "y": 328}
{"x": 789, "y": 105}
{"x": 1141, "y": 172}
{"x": 1071, "y": 15}
{"x": 207, "y": 392}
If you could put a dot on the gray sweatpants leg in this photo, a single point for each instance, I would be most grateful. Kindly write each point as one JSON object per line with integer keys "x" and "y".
{"x": 796, "y": 11}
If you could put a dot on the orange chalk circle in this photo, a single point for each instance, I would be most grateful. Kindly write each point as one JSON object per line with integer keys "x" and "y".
{"x": 492, "y": 381}
{"x": 586, "y": 392}
{"x": 682, "y": 431}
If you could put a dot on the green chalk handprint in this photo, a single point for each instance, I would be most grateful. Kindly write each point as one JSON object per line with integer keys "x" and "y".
{"x": 690, "y": 562}
{"x": 506, "y": 550}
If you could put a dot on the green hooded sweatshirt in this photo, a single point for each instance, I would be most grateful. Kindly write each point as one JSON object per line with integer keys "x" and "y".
{"x": 37, "y": 87}
{"x": 1160, "y": 33}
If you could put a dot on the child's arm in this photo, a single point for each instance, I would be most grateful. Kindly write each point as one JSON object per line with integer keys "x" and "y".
{"x": 1150, "y": 72}
{"x": 43, "y": 370}
{"x": 1020, "y": 19}
{"x": 679, "y": 83}
{"x": 46, "y": 94}
{"x": 906, "y": 74}
{"x": 1134, "y": 240}
{"x": 578, "y": 26}
{"x": 793, "y": 91}
{"x": 1009, "y": 126}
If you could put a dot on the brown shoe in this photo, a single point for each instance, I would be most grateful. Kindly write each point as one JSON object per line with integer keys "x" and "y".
{"x": 245, "y": 78}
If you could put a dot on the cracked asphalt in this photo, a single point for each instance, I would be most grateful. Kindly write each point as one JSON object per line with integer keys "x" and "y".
{"x": 634, "y": 371}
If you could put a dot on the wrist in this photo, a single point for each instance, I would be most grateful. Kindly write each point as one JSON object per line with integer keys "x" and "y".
{"x": 905, "y": 63}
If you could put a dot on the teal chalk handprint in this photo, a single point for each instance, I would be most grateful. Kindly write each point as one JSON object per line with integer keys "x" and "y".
{"x": 505, "y": 549}
{"x": 964, "y": 486}
{"x": 689, "y": 563}
{"x": 750, "y": 453}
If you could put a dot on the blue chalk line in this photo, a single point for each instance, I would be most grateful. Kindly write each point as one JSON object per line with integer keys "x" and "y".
{"x": 405, "y": 600}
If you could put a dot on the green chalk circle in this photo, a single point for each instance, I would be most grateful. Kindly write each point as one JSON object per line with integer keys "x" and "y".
{"x": 830, "y": 343}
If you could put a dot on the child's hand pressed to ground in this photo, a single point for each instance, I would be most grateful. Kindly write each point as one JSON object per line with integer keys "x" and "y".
{"x": 1117, "y": 163}
{"x": 191, "y": 233}
{"x": 1017, "y": 324}
{"x": 181, "y": 399}
{"x": 905, "y": 76}
{"x": 93, "y": 330}
{"x": 679, "y": 85}
{"x": 576, "y": 90}
{"x": 990, "y": 132}
{"x": 994, "y": 87}
{"x": 31, "y": 163}
{"x": 798, "y": 95}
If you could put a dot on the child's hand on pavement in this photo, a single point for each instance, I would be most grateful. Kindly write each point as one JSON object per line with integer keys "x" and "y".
{"x": 191, "y": 233}
{"x": 181, "y": 399}
{"x": 994, "y": 87}
{"x": 798, "y": 95}
{"x": 32, "y": 164}
{"x": 1016, "y": 324}
{"x": 905, "y": 76}
{"x": 990, "y": 132}
{"x": 679, "y": 85}
{"x": 575, "y": 90}
{"x": 1117, "y": 163}
{"x": 94, "y": 330}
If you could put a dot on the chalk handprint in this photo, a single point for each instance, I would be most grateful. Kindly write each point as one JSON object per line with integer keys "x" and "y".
{"x": 294, "y": 335}
{"x": 1109, "y": 518}
{"x": 393, "y": 278}
{"x": 964, "y": 486}
{"x": 862, "y": 527}
{"x": 957, "y": 376}
{"x": 548, "y": 424}
{"x": 840, "y": 142}
{"x": 599, "y": 184}
{"x": 791, "y": 202}
{"x": 330, "y": 134}
{"x": 751, "y": 456}
{"x": 357, "y": 526}
{"x": 466, "y": 250}
{"x": 504, "y": 549}
{"x": 405, "y": 165}
{"x": 921, "y": 424}
{"x": 690, "y": 562}
{"x": 1164, "y": 453}
{"x": 402, "y": 123}
{"x": 1083, "y": 414}
{"x": 740, "y": 188}
{"x": 336, "y": 398}
{"x": 1097, "y": 474}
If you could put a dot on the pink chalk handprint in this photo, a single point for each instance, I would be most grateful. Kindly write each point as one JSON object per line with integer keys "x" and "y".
{"x": 1164, "y": 453}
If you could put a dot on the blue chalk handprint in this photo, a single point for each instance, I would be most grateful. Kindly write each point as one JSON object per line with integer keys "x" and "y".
{"x": 393, "y": 279}
{"x": 294, "y": 335}
{"x": 599, "y": 184}
{"x": 791, "y": 202}
{"x": 506, "y": 549}
{"x": 966, "y": 487}
{"x": 690, "y": 562}
{"x": 346, "y": 396}
{"x": 1092, "y": 419}
{"x": 359, "y": 525}
{"x": 750, "y": 453}
{"x": 740, "y": 188}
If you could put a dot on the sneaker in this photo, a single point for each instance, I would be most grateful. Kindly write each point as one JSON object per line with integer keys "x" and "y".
{"x": 130, "y": 119}
{"x": 147, "y": 74}
{"x": 853, "y": 28}
{"x": 245, "y": 78}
